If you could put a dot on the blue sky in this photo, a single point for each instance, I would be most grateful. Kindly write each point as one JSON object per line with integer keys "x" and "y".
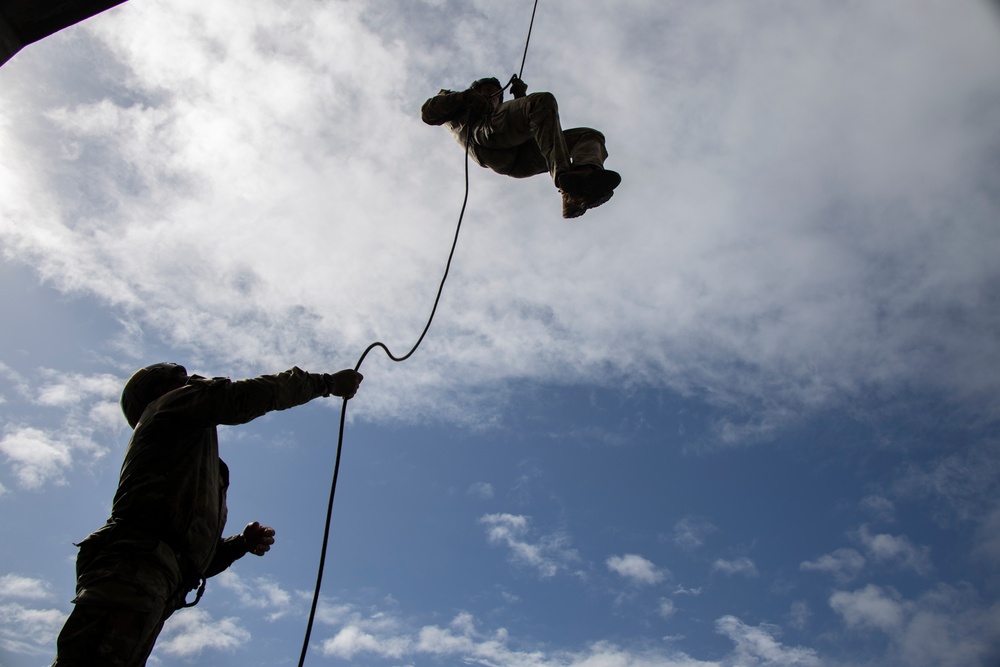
{"x": 744, "y": 414}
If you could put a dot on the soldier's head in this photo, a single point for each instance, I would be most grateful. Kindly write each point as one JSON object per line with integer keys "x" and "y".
{"x": 147, "y": 385}
{"x": 490, "y": 88}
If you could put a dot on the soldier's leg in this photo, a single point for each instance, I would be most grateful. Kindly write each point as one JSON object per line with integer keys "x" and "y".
{"x": 107, "y": 636}
{"x": 126, "y": 588}
{"x": 586, "y": 146}
{"x": 534, "y": 119}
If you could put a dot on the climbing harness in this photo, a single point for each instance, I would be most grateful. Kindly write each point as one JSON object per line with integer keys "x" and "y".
{"x": 357, "y": 367}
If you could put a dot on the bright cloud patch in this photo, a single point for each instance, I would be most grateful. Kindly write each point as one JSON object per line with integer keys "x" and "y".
{"x": 636, "y": 569}
{"x": 870, "y": 606}
{"x": 260, "y": 593}
{"x": 192, "y": 631}
{"x": 896, "y": 549}
{"x": 36, "y": 456}
{"x": 758, "y": 646}
{"x": 16, "y": 586}
{"x": 29, "y": 631}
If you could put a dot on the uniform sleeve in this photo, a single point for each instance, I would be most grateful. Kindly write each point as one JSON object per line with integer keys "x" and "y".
{"x": 445, "y": 106}
{"x": 229, "y": 551}
{"x": 221, "y": 401}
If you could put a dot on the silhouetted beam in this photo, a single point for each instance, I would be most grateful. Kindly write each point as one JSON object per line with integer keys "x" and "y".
{"x": 25, "y": 21}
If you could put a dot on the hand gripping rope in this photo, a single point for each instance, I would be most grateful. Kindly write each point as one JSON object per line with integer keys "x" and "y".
{"x": 357, "y": 367}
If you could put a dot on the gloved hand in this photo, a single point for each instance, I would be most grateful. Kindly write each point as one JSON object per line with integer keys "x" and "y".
{"x": 518, "y": 88}
{"x": 344, "y": 383}
{"x": 257, "y": 538}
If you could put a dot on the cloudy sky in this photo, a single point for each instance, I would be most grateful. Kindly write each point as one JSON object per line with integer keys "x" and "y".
{"x": 744, "y": 414}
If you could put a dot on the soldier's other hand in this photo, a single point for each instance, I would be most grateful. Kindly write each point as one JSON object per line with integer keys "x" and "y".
{"x": 344, "y": 383}
{"x": 258, "y": 539}
{"x": 518, "y": 88}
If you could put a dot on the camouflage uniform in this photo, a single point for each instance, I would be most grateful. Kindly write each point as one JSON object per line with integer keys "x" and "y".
{"x": 165, "y": 530}
{"x": 520, "y": 138}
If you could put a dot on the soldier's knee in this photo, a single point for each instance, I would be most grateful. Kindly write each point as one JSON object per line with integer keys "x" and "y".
{"x": 592, "y": 134}
{"x": 544, "y": 100}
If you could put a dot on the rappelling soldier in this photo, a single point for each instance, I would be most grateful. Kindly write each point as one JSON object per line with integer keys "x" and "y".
{"x": 523, "y": 137}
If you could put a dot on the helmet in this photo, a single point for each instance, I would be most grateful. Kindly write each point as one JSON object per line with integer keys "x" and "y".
{"x": 145, "y": 386}
{"x": 478, "y": 83}
{"x": 482, "y": 82}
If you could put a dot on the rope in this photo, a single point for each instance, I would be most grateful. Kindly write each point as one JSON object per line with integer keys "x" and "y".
{"x": 524, "y": 57}
{"x": 528, "y": 40}
{"x": 357, "y": 367}
{"x": 343, "y": 409}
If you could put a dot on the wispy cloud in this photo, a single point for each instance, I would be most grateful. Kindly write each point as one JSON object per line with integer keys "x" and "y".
{"x": 757, "y": 645}
{"x": 483, "y": 490}
{"x": 259, "y": 593}
{"x": 742, "y": 565}
{"x": 871, "y": 606}
{"x": 17, "y": 586}
{"x": 843, "y": 564}
{"x": 547, "y": 554}
{"x": 895, "y": 549}
{"x": 946, "y": 625}
{"x": 40, "y": 456}
{"x": 62, "y": 389}
{"x": 636, "y": 569}
{"x": 190, "y": 632}
{"x": 691, "y": 532}
{"x": 29, "y": 631}
{"x": 352, "y": 640}
{"x": 462, "y": 640}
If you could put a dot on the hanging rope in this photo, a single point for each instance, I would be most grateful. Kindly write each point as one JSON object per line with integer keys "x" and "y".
{"x": 343, "y": 409}
{"x": 357, "y": 367}
{"x": 528, "y": 40}
{"x": 524, "y": 57}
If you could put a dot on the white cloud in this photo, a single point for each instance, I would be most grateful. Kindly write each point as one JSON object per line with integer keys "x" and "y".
{"x": 690, "y": 532}
{"x": 40, "y": 456}
{"x": 20, "y": 383}
{"x": 219, "y": 156}
{"x": 741, "y": 565}
{"x": 880, "y": 506}
{"x": 966, "y": 480}
{"x": 262, "y": 593}
{"x": 636, "y": 569}
{"x": 799, "y": 614}
{"x": 944, "y": 627}
{"x": 29, "y": 631}
{"x": 897, "y": 549}
{"x": 351, "y": 640}
{"x": 758, "y": 646}
{"x": 17, "y": 586}
{"x": 843, "y": 564}
{"x": 871, "y": 606}
{"x": 67, "y": 389}
{"x": 190, "y": 632}
{"x": 548, "y": 554}
{"x": 36, "y": 456}
{"x": 482, "y": 490}
{"x": 667, "y": 607}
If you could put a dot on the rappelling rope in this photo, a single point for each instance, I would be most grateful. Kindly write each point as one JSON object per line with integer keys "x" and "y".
{"x": 343, "y": 409}
{"x": 357, "y": 367}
